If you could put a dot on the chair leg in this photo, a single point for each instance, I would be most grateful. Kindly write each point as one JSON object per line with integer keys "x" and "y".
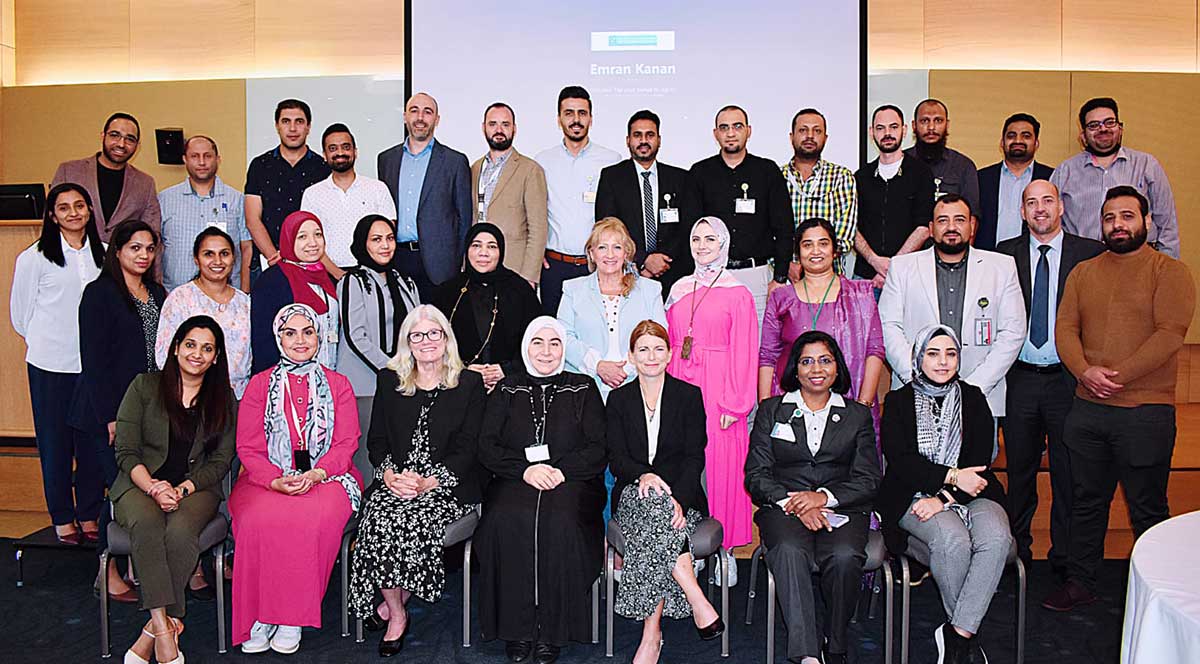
{"x": 609, "y": 554}
{"x": 750, "y": 593}
{"x": 345, "y": 573}
{"x": 1020, "y": 611}
{"x": 105, "y": 650}
{"x": 20, "y": 568}
{"x": 219, "y": 569}
{"x": 724, "y": 613}
{"x": 905, "y": 577}
{"x": 770, "y": 617}
{"x": 358, "y": 630}
{"x": 596, "y": 610}
{"x": 466, "y": 620}
{"x": 889, "y": 582}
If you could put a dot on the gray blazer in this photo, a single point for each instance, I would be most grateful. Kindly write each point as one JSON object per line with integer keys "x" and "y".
{"x": 360, "y": 354}
{"x": 139, "y": 196}
{"x": 444, "y": 211}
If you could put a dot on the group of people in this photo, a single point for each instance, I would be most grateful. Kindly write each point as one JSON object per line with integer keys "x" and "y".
{"x": 558, "y": 340}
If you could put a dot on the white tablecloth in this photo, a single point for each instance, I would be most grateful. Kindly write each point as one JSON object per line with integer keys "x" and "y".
{"x": 1162, "y": 605}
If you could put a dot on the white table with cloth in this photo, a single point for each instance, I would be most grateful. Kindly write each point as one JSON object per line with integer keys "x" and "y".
{"x": 1162, "y": 604}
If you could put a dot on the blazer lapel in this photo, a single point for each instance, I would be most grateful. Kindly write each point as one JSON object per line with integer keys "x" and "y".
{"x": 1022, "y": 259}
{"x": 975, "y": 280}
{"x": 927, "y": 271}
{"x": 639, "y": 426}
{"x": 1066, "y": 263}
{"x": 432, "y": 173}
{"x": 833, "y": 431}
{"x": 506, "y": 175}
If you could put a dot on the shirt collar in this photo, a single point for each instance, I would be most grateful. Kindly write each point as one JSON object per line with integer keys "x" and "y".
{"x": 952, "y": 266}
{"x": 1122, "y": 155}
{"x": 835, "y": 401}
{"x": 653, "y": 170}
{"x": 191, "y": 190}
{"x": 428, "y": 147}
{"x": 67, "y": 248}
{"x": 879, "y": 163}
{"x": 1056, "y": 243}
{"x": 582, "y": 152}
{"x": 499, "y": 162}
{"x": 1027, "y": 172}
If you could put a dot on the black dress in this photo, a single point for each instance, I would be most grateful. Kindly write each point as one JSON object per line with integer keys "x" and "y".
{"x": 540, "y": 551}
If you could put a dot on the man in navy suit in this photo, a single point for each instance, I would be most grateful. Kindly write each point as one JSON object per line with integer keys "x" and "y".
{"x": 431, "y": 185}
{"x": 1040, "y": 389}
{"x": 1001, "y": 184}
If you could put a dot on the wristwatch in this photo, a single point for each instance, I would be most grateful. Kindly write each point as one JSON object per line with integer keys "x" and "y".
{"x": 184, "y": 490}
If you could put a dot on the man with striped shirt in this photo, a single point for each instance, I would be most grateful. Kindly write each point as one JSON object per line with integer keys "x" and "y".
{"x": 820, "y": 188}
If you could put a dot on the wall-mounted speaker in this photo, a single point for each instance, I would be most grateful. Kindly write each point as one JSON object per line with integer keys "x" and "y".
{"x": 170, "y": 145}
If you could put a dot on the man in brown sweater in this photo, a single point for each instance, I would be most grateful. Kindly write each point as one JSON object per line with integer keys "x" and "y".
{"x": 1121, "y": 323}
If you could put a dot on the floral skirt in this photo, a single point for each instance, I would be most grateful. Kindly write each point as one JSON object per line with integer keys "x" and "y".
{"x": 652, "y": 548}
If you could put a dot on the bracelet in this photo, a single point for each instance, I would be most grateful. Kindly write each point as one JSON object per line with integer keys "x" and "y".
{"x": 954, "y": 477}
{"x": 941, "y": 496}
{"x": 868, "y": 404}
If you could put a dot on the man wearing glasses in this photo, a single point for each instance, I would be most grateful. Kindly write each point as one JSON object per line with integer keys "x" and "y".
{"x": 118, "y": 190}
{"x": 1105, "y": 163}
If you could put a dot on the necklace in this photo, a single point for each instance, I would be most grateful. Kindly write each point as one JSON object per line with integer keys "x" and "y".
{"x": 804, "y": 283}
{"x": 491, "y": 325}
{"x": 686, "y": 351}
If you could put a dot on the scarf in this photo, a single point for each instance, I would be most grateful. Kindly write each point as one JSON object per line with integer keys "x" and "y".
{"x": 400, "y": 309}
{"x": 303, "y": 277}
{"x": 496, "y": 276}
{"x": 318, "y": 420}
{"x": 712, "y": 275}
{"x": 939, "y": 428}
{"x": 537, "y": 325}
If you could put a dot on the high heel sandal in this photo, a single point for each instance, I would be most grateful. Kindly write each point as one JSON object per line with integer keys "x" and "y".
{"x": 179, "y": 659}
{"x": 132, "y": 657}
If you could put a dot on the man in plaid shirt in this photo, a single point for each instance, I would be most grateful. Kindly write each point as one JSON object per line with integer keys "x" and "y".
{"x": 820, "y": 188}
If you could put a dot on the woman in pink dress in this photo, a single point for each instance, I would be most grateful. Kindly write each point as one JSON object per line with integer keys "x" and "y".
{"x": 297, "y": 433}
{"x": 714, "y": 346}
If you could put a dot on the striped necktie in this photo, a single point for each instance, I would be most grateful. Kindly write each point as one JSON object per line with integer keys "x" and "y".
{"x": 648, "y": 212}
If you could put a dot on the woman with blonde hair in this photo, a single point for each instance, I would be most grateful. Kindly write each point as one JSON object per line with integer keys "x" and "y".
{"x": 422, "y": 439}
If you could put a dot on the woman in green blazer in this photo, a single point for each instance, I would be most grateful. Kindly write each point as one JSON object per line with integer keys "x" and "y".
{"x": 174, "y": 443}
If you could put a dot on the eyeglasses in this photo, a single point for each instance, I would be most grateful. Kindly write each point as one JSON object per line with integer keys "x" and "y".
{"x": 737, "y": 126}
{"x": 432, "y": 335}
{"x": 118, "y": 136}
{"x": 824, "y": 361}
{"x": 1107, "y": 123}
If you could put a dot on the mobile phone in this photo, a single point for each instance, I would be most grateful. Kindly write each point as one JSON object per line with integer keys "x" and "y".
{"x": 303, "y": 460}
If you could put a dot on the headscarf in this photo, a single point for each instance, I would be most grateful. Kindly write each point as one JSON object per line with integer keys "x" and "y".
{"x": 713, "y": 275}
{"x": 318, "y": 419}
{"x": 939, "y": 427}
{"x": 498, "y": 275}
{"x": 540, "y": 323}
{"x": 358, "y": 248}
{"x": 302, "y": 277}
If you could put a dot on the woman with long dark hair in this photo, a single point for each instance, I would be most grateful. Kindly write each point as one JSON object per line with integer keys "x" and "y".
{"x": 48, "y": 282}
{"x": 175, "y": 441}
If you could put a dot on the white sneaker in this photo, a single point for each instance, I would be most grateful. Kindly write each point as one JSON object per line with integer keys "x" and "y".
{"x": 286, "y": 640}
{"x": 260, "y": 638}
{"x": 730, "y": 570}
{"x": 697, "y": 565}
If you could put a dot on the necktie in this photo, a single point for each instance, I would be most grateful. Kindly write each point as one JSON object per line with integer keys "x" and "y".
{"x": 648, "y": 212}
{"x": 1039, "y": 330}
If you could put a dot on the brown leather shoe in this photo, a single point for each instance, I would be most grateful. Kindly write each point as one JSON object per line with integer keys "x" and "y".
{"x": 1068, "y": 596}
{"x": 128, "y": 597}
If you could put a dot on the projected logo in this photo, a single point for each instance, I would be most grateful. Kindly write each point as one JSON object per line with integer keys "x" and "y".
{"x": 662, "y": 40}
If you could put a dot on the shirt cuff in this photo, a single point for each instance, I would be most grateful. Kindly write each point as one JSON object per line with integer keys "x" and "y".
{"x": 782, "y": 503}
{"x": 590, "y": 360}
{"x": 832, "y": 502}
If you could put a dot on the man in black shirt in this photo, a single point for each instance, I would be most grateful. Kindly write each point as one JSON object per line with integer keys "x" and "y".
{"x": 750, "y": 195}
{"x": 895, "y": 200}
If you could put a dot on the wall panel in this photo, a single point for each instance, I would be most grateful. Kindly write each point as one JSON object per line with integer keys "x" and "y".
{"x": 993, "y": 35}
{"x": 76, "y": 41}
{"x": 1120, "y": 35}
{"x": 191, "y": 39}
{"x": 310, "y": 37}
{"x": 895, "y": 34}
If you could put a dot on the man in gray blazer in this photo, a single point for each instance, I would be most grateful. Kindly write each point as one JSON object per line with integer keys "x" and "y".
{"x": 431, "y": 185}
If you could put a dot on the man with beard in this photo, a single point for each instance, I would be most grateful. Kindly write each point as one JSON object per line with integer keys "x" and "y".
{"x": 1001, "y": 213}
{"x": 277, "y": 178}
{"x": 200, "y": 201}
{"x": 974, "y": 292}
{"x": 749, "y": 194}
{"x": 1121, "y": 323}
{"x": 510, "y": 192}
{"x": 953, "y": 171}
{"x": 118, "y": 190}
{"x": 572, "y": 176}
{"x": 895, "y": 200}
{"x": 431, "y": 185}
{"x": 654, "y": 200}
{"x": 820, "y": 188}
{"x": 1039, "y": 388}
{"x": 343, "y": 198}
{"x": 1085, "y": 178}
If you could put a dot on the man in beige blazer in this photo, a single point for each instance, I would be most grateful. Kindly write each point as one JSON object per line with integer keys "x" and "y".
{"x": 509, "y": 190}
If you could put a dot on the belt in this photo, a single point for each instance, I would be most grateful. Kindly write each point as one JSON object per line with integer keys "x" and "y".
{"x": 409, "y": 246}
{"x": 744, "y": 263}
{"x": 1038, "y": 368}
{"x": 566, "y": 258}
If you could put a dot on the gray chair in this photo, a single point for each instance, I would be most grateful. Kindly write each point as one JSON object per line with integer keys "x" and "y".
{"x": 876, "y": 561}
{"x": 119, "y": 544}
{"x": 706, "y": 543}
{"x": 919, "y": 551}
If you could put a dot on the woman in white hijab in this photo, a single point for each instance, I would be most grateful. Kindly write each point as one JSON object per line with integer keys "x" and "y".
{"x": 540, "y": 541}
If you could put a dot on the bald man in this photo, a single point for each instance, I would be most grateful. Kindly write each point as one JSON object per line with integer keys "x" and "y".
{"x": 431, "y": 185}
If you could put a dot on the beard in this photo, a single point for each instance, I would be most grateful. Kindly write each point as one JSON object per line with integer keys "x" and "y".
{"x": 888, "y": 150}
{"x": 814, "y": 154}
{"x": 114, "y": 159}
{"x": 1018, "y": 154}
{"x": 1104, "y": 153}
{"x": 341, "y": 166}
{"x": 931, "y": 152}
{"x": 1126, "y": 245}
{"x": 952, "y": 249}
{"x": 500, "y": 145}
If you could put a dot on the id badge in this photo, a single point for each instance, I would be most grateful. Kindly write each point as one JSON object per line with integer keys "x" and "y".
{"x": 222, "y": 226}
{"x": 589, "y": 197}
{"x": 836, "y": 520}
{"x": 783, "y": 431}
{"x": 983, "y": 331}
{"x": 668, "y": 216}
{"x": 537, "y": 453}
{"x": 303, "y": 460}
{"x": 743, "y": 206}
{"x": 331, "y": 336}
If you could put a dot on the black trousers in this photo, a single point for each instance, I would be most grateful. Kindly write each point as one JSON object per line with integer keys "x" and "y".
{"x": 794, "y": 554}
{"x": 408, "y": 263}
{"x": 1108, "y": 444}
{"x": 552, "y": 281}
{"x": 1036, "y": 410}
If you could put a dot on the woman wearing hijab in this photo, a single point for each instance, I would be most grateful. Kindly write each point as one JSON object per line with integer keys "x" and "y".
{"x": 541, "y": 538}
{"x": 714, "y": 346}
{"x": 374, "y": 300}
{"x": 298, "y": 278}
{"x": 488, "y": 306}
{"x": 939, "y": 488}
{"x": 297, "y": 433}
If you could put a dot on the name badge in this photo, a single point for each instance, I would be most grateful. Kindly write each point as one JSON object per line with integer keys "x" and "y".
{"x": 222, "y": 226}
{"x": 743, "y": 206}
{"x": 836, "y": 520}
{"x": 589, "y": 197}
{"x": 537, "y": 453}
{"x": 983, "y": 331}
{"x": 783, "y": 431}
{"x": 668, "y": 216}
{"x": 331, "y": 336}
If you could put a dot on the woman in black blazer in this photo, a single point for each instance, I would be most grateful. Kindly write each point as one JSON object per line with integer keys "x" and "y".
{"x": 656, "y": 440}
{"x": 939, "y": 488}
{"x": 118, "y": 325}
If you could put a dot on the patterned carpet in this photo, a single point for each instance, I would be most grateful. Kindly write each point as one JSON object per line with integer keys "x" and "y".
{"x": 54, "y": 618}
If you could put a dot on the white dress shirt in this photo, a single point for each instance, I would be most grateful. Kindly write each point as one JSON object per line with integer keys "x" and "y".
{"x": 653, "y": 170}
{"x": 44, "y": 306}
{"x": 652, "y": 422}
{"x": 340, "y": 211}
{"x": 1048, "y": 353}
{"x": 814, "y": 430}
{"x": 571, "y": 190}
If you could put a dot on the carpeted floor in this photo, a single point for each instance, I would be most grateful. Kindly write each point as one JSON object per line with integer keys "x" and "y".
{"x": 54, "y": 618}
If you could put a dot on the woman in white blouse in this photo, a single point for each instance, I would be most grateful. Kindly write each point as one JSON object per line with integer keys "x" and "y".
{"x": 48, "y": 283}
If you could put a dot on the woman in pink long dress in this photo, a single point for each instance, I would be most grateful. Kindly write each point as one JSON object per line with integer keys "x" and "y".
{"x": 297, "y": 434}
{"x": 714, "y": 346}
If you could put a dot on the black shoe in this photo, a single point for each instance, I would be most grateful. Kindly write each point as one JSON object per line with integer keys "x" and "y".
{"x": 952, "y": 646}
{"x": 833, "y": 657}
{"x": 518, "y": 651}
{"x": 544, "y": 653}
{"x": 374, "y": 623}
{"x": 714, "y": 630}
{"x": 1068, "y": 596}
{"x": 975, "y": 654}
{"x": 393, "y": 647}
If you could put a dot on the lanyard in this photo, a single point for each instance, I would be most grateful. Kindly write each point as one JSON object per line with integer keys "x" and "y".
{"x": 817, "y": 315}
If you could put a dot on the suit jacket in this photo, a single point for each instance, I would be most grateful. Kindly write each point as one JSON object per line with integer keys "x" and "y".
{"x": 989, "y": 201}
{"x": 908, "y": 472}
{"x": 846, "y": 464}
{"x": 910, "y": 302}
{"x": 444, "y": 211}
{"x": 139, "y": 196}
{"x": 144, "y": 437}
{"x": 619, "y": 194}
{"x": 519, "y": 207}
{"x": 679, "y": 455}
